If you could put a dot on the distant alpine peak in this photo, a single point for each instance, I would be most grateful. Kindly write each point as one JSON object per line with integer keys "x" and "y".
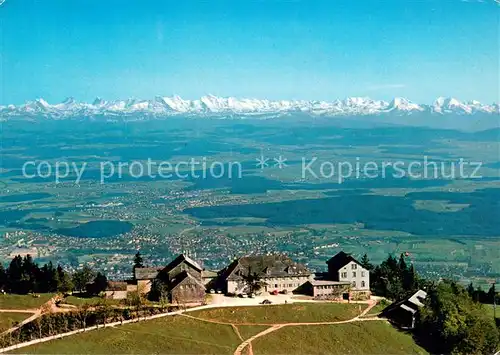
{"x": 42, "y": 103}
{"x": 98, "y": 101}
{"x": 69, "y": 100}
{"x": 211, "y": 105}
{"x": 450, "y": 105}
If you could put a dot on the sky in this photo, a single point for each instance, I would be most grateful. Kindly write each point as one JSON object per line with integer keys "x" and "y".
{"x": 312, "y": 50}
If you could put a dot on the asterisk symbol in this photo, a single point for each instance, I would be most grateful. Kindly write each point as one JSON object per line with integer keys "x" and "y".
{"x": 280, "y": 162}
{"x": 262, "y": 162}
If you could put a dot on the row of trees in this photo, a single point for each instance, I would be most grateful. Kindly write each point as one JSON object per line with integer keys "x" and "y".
{"x": 23, "y": 276}
{"x": 479, "y": 295}
{"x": 452, "y": 321}
{"x": 55, "y": 323}
{"x": 394, "y": 278}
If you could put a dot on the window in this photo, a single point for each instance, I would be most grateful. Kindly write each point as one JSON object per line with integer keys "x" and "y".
{"x": 276, "y": 285}
{"x": 363, "y": 284}
{"x": 362, "y": 274}
{"x": 354, "y": 274}
{"x": 344, "y": 275}
{"x": 354, "y": 284}
{"x": 354, "y": 266}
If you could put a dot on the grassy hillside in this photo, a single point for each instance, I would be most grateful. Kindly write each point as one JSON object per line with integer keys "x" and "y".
{"x": 371, "y": 337}
{"x": 185, "y": 335}
{"x": 169, "y": 335}
{"x": 247, "y": 331}
{"x": 379, "y": 307}
{"x": 91, "y": 301}
{"x": 10, "y": 301}
{"x": 284, "y": 313}
{"x": 9, "y": 319}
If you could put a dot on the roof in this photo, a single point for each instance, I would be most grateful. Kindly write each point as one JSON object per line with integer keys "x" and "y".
{"x": 146, "y": 273}
{"x": 150, "y": 273}
{"x": 417, "y": 298}
{"x": 265, "y": 266}
{"x": 409, "y": 304}
{"x": 407, "y": 308}
{"x": 182, "y": 277}
{"x": 208, "y": 274}
{"x": 180, "y": 259}
{"x": 116, "y": 286}
{"x": 340, "y": 260}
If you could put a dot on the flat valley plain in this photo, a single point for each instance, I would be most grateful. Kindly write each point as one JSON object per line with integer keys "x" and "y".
{"x": 448, "y": 227}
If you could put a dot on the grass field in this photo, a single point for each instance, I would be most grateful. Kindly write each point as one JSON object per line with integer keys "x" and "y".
{"x": 169, "y": 335}
{"x": 371, "y": 337}
{"x": 183, "y": 335}
{"x": 10, "y": 301}
{"x": 247, "y": 331}
{"x": 379, "y": 307}
{"x": 80, "y": 301}
{"x": 298, "y": 312}
{"x": 9, "y": 319}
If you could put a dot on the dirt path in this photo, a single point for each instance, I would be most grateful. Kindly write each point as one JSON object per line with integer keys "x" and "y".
{"x": 241, "y": 347}
{"x": 96, "y": 327}
{"x": 248, "y": 342}
{"x": 274, "y": 327}
{"x": 224, "y": 323}
{"x": 31, "y": 318}
{"x": 237, "y": 331}
{"x": 49, "y": 305}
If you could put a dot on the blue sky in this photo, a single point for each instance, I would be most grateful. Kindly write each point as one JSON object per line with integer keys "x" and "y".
{"x": 323, "y": 50}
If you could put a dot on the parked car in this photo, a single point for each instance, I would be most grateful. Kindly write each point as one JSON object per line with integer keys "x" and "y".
{"x": 266, "y": 301}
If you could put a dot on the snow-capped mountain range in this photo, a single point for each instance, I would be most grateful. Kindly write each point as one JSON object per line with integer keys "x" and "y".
{"x": 229, "y": 106}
